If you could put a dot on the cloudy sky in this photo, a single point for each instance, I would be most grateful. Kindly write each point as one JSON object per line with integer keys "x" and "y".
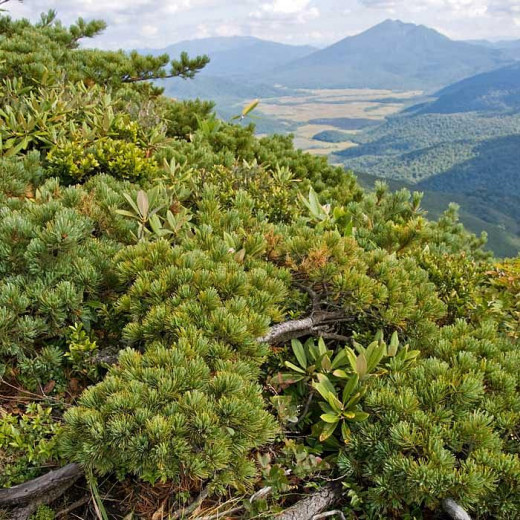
{"x": 157, "y": 23}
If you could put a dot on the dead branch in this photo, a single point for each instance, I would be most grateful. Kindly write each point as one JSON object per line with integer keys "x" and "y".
{"x": 26, "y": 498}
{"x": 306, "y": 326}
{"x": 189, "y": 509}
{"x": 64, "y": 512}
{"x": 453, "y": 510}
{"x": 41, "y": 486}
{"x": 328, "y": 514}
{"x": 311, "y": 506}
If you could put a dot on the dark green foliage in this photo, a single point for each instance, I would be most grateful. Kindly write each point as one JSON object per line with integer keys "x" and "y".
{"x": 166, "y": 415}
{"x": 54, "y": 268}
{"x": 187, "y": 407}
{"x": 446, "y": 427}
{"x": 495, "y": 91}
{"x": 469, "y": 155}
{"x": 500, "y": 229}
{"x": 91, "y": 137}
{"x": 332, "y": 136}
{"x": 150, "y": 236}
{"x": 34, "y": 51}
{"x": 182, "y": 117}
{"x": 345, "y": 123}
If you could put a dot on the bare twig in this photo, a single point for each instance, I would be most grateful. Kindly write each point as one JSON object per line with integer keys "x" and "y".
{"x": 332, "y": 335}
{"x": 315, "y": 298}
{"x": 187, "y": 510}
{"x": 261, "y": 493}
{"x": 64, "y": 512}
{"x": 223, "y": 515}
{"x": 307, "y": 405}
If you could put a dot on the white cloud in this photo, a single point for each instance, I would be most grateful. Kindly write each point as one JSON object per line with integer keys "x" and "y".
{"x": 149, "y": 30}
{"x": 285, "y": 6}
{"x": 158, "y": 23}
{"x": 290, "y": 11}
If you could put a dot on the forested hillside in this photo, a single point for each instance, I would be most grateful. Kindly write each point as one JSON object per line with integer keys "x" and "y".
{"x": 465, "y": 142}
{"x": 493, "y": 92}
{"x": 196, "y": 323}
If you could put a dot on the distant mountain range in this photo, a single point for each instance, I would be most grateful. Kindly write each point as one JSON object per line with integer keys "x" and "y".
{"x": 238, "y": 55}
{"x": 392, "y": 55}
{"x": 510, "y": 48}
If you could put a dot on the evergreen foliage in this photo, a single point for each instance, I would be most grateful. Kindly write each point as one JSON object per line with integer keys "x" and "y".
{"x": 147, "y": 248}
{"x": 446, "y": 427}
{"x": 32, "y": 52}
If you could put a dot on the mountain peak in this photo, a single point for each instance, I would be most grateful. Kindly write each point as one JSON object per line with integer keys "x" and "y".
{"x": 390, "y": 22}
{"x": 393, "y": 54}
{"x": 399, "y": 28}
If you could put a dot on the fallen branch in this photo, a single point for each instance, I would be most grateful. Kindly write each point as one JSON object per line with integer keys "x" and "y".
{"x": 41, "y": 490}
{"x": 81, "y": 502}
{"x": 287, "y": 330}
{"x": 453, "y": 510}
{"x": 311, "y": 506}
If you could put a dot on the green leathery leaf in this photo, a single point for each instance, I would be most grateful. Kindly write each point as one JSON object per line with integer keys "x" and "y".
{"x": 292, "y": 366}
{"x": 328, "y": 430}
{"x": 329, "y": 418}
{"x": 350, "y": 387}
{"x": 299, "y": 352}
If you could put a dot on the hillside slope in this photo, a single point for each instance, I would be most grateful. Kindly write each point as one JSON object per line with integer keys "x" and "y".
{"x": 475, "y": 214}
{"x": 494, "y": 91}
{"x": 465, "y": 144}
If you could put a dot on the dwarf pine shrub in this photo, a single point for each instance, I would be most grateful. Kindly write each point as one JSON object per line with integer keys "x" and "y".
{"x": 189, "y": 406}
{"x": 139, "y": 226}
{"x": 447, "y": 427}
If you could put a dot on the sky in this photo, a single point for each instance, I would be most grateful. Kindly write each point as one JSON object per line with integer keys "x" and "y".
{"x": 158, "y": 23}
